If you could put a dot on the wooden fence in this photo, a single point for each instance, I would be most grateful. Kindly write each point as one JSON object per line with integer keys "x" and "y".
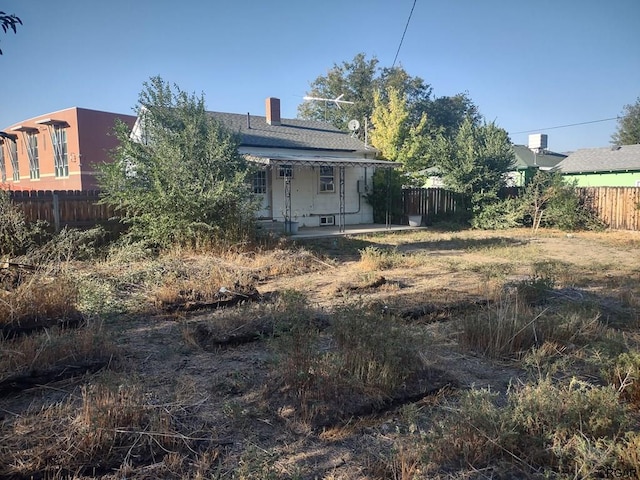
{"x": 62, "y": 208}
{"x": 618, "y": 207}
{"x": 431, "y": 203}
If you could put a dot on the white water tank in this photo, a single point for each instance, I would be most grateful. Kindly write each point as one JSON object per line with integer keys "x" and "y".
{"x": 537, "y": 141}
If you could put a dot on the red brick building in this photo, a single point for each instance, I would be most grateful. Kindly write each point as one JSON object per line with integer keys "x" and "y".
{"x": 58, "y": 150}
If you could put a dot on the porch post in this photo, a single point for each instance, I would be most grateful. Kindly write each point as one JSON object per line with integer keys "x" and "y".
{"x": 287, "y": 203}
{"x": 342, "y": 219}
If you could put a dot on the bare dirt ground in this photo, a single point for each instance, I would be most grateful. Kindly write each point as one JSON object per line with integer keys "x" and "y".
{"x": 221, "y": 391}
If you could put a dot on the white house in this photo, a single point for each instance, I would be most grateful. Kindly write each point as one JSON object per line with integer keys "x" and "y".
{"x": 311, "y": 172}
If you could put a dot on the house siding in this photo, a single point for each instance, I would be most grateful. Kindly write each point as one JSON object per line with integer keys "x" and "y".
{"x": 308, "y": 204}
{"x": 609, "y": 179}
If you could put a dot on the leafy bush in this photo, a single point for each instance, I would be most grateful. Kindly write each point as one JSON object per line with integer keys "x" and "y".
{"x": 386, "y": 194}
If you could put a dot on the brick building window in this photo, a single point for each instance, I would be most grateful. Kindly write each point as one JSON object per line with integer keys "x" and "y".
{"x": 13, "y": 157}
{"x": 3, "y": 166}
{"x": 32, "y": 153}
{"x": 60, "y": 156}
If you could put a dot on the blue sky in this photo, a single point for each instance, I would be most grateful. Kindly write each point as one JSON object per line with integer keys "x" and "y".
{"x": 527, "y": 65}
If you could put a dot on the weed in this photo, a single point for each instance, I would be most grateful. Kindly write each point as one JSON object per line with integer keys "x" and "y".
{"x": 625, "y": 376}
{"x": 375, "y": 258}
{"x": 505, "y": 329}
{"x": 542, "y": 427}
{"x": 365, "y": 361}
{"x": 373, "y": 348}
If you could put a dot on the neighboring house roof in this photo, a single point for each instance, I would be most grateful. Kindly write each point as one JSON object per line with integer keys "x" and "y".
{"x": 606, "y": 159}
{"x": 526, "y": 158}
{"x": 254, "y": 131}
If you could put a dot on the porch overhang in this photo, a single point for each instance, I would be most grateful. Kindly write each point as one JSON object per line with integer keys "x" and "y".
{"x": 320, "y": 161}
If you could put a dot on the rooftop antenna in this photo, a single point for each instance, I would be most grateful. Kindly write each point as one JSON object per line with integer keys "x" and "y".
{"x": 338, "y": 100}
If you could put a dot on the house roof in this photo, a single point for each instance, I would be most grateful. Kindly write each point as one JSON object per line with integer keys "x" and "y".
{"x": 526, "y": 158}
{"x": 607, "y": 159}
{"x": 254, "y": 131}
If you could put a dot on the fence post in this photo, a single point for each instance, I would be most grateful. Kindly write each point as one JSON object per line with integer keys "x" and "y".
{"x": 56, "y": 212}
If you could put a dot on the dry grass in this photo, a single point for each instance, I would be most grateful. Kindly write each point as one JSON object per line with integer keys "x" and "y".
{"x": 39, "y": 300}
{"x": 106, "y": 428}
{"x": 189, "y": 278}
{"x": 55, "y": 348}
{"x": 309, "y": 399}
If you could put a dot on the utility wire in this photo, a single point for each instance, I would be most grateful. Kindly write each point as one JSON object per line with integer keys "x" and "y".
{"x": 404, "y": 33}
{"x": 564, "y": 126}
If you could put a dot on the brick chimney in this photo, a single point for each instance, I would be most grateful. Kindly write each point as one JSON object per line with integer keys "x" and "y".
{"x": 273, "y": 111}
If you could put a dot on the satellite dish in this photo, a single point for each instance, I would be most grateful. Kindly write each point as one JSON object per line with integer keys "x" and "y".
{"x": 353, "y": 125}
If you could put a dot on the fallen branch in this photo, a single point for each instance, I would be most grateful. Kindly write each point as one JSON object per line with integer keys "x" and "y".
{"x": 38, "y": 378}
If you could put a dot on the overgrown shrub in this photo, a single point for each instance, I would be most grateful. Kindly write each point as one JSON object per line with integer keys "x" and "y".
{"x": 385, "y": 194}
{"x": 548, "y": 200}
{"x": 16, "y": 234}
{"x": 500, "y": 215}
{"x": 183, "y": 182}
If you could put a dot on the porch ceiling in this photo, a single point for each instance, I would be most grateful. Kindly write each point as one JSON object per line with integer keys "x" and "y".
{"x": 311, "y": 161}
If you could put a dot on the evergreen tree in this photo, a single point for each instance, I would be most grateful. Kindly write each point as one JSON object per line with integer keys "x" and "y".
{"x": 628, "y": 132}
{"x": 475, "y": 161}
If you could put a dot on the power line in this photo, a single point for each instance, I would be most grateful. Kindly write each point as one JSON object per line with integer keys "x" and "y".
{"x": 564, "y": 126}
{"x": 404, "y": 33}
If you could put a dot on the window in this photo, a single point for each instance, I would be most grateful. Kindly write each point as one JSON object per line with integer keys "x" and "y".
{"x": 326, "y": 179}
{"x": 32, "y": 152}
{"x": 3, "y": 167}
{"x": 13, "y": 156}
{"x": 60, "y": 157}
{"x": 259, "y": 182}
{"x": 285, "y": 171}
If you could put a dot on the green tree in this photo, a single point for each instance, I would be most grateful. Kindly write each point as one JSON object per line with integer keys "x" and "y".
{"x": 394, "y": 132}
{"x": 448, "y": 113}
{"x": 628, "y": 132}
{"x": 474, "y": 162}
{"x": 9, "y": 22}
{"x": 358, "y": 81}
{"x": 183, "y": 181}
